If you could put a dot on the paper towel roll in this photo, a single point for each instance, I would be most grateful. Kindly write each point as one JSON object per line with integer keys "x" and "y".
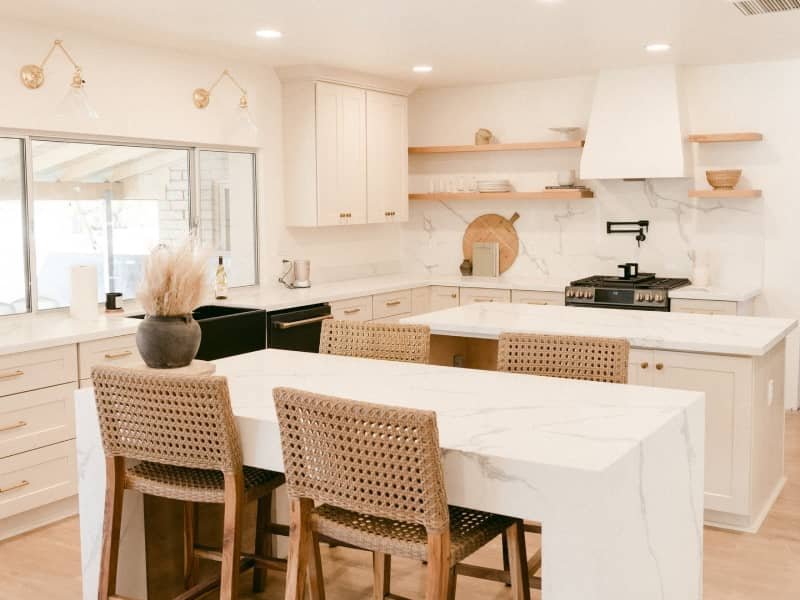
{"x": 83, "y": 292}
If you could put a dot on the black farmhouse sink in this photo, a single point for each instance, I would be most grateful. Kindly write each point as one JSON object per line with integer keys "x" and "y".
{"x": 228, "y": 330}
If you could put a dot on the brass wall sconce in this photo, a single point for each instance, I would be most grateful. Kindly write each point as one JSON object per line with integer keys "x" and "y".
{"x": 202, "y": 97}
{"x": 32, "y": 77}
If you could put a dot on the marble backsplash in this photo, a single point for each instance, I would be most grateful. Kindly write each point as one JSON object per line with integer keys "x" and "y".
{"x": 567, "y": 239}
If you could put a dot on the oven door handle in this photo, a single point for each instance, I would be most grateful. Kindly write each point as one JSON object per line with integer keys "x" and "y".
{"x": 301, "y": 322}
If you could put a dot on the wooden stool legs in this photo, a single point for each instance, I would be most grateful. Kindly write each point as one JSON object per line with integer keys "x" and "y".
{"x": 191, "y": 563}
{"x": 263, "y": 544}
{"x": 518, "y": 562}
{"x": 381, "y": 575}
{"x": 115, "y": 488}
{"x": 232, "y": 536}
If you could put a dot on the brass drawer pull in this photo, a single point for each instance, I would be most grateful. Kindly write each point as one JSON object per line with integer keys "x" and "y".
{"x": 393, "y": 302}
{"x": 538, "y": 302}
{"x": 659, "y": 366}
{"x": 115, "y": 355}
{"x": 454, "y": 295}
{"x": 17, "y": 425}
{"x": 16, "y": 486}
{"x": 352, "y": 311}
{"x": 644, "y": 365}
{"x": 484, "y": 299}
{"x": 12, "y": 375}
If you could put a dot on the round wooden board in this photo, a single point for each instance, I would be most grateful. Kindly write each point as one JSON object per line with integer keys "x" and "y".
{"x": 494, "y": 228}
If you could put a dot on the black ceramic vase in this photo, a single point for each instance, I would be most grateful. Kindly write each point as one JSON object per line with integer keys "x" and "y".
{"x": 168, "y": 342}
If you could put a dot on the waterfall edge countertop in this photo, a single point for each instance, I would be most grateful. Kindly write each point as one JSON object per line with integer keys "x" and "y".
{"x": 713, "y": 334}
{"x": 596, "y": 463}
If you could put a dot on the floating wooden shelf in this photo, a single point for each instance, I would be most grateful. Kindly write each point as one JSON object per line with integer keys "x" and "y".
{"x": 725, "y": 194}
{"x": 557, "y": 145}
{"x": 544, "y": 195}
{"x": 711, "y": 138}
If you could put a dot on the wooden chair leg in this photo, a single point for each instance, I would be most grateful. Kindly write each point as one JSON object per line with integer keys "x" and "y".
{"x": 381, "y": 575}
{"x": 518, "y": 562}
{"x": 112, "y": 520}
{"x": 191, "y": 563}
{"x": 504, "y": 538}
{"x": 299, "y": 532}
{"x": 232, "y": 536}
{"x": 438, "y": 566}
{"x": 263, "y": 546}
{"x": 316, "y": 581}
{"x": 451, "y": 584}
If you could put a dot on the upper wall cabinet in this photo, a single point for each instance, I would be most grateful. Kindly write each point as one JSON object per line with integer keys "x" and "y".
{"x": 345, "y": 154}
{"x": 387, "y": 158}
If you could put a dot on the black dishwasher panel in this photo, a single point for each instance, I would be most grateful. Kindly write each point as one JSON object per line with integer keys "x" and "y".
{"x": 297, "y": 328}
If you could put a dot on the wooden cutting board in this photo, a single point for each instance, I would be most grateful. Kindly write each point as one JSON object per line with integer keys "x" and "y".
{"x": 494, "y": 228}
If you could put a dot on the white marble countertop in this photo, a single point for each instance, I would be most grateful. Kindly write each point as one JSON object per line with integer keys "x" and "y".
{"x": 592, "y": 461}
{"x": 20, "y": 333}
{"x": 714, "y": 334}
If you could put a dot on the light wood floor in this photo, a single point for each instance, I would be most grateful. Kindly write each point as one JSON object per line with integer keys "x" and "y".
{"x": 45, "y": 564}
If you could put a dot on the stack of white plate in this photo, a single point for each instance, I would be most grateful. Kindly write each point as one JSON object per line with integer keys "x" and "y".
{"x": 494, "y": 185}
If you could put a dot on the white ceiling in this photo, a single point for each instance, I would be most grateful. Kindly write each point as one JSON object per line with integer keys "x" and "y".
{"x": 466, "y": 41}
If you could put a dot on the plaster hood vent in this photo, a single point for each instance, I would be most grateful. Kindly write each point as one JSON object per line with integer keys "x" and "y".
{"x": 759, "y": 7}
{"x": 636, "y": 126}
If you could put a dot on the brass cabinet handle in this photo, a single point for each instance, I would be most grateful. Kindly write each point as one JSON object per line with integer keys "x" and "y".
{"x": 659, "y": 366}
{"x": 16, "y": 486}
{"x": 454, "y": 295}
{"x": 393, "y": 302}
{"x": 17, "y": 425}
{"x": 12, "y": 375}
{"x": 301, "y": 322}
{"x": 115, "y": 355}
{"x": 538, "y": 302}
{"x": 644, "y": 365}
{"x": 484, "y": 299}
{"x": 352, "y": 311}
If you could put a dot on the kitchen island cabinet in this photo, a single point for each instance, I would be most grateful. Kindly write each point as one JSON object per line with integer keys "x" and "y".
{"x": 595, "y": 463}
{"x": 738, "y": 362}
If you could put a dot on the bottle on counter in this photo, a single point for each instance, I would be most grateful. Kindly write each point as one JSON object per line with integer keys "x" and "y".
{"x": 221, "y": 282}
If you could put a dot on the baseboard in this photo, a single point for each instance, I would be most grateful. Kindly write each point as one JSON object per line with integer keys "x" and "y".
{"x": 38, "y": 517}
{"x": 743, "y": 523}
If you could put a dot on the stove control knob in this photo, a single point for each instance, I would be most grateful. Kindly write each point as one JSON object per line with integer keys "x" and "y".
{"x": 649, "y": 297}
{"x": 639, "y": 297}
{"x": 659, "y": 298}
{"x": 570, "y": 293}
{"x": 581, "y": 294}
{"x": 590, "y": 294}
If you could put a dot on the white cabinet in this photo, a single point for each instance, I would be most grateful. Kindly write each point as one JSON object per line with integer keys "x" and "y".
{"x": 711, "y": 307}
{"x": 474, "y": 295}
{"x": 113, "y": 351}
{"x": 443, "y": 297}
{"x": 421, "y": 300}
{"x": 387, "y": 158}
{"x": 341, "y": 155}
{"x": 391, "y": 304}
{"x": 352, "y": 309}
{"x": 345, "y": 155}
{"x": 740, "y": 391}
{"x": 537, "y": 297}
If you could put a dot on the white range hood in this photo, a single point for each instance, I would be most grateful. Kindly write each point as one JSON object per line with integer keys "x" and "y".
{"x": 636, "y": 129}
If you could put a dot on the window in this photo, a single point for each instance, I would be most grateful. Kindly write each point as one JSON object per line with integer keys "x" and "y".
{"x": 13, "y": 280}
{"x": 227, "y": 212}
{"x": 107, "y": 204}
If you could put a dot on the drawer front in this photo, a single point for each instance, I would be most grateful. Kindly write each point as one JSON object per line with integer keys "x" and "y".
{"x": 474, "y": 295}
{"x": 36, "y": 478}
{"x": 389, "y": 305}
{"x": 355, "y": 309}
{"x": 537, "y": 298}
{"x": 116, "y": 351}
{"x": 703, "y": 307}
{"x": 38, "y": 369}
{"x": 392, "y": 319}
{"x": 35, "y": 419}
{"x": 443, "y": 297}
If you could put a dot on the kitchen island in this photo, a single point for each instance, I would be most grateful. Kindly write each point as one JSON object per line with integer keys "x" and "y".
{"x": 614, "y": 473}
{"x": 737, "y": 361}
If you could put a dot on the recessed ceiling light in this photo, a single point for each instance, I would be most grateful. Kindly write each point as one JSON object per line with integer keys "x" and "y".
{"x": 658, "y": 47}
{"x": 269, "y": 34}
{"x": 422, "y": 69}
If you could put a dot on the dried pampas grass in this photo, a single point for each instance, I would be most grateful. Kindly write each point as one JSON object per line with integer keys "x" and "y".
{"x": 174, "y": 281}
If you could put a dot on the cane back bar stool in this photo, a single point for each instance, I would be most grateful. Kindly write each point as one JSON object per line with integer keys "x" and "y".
{"x": 567, "y": 357}
{"x": 375, "y": 474}
{"x": 385, "y": 341}
{"x": 182, "y": 429}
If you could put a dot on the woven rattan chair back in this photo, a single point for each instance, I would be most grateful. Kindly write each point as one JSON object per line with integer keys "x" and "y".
{"x": 179, "y": 420}
{"x": 569, "y": 357}
{"x": 376, "y": 460}
{"x": 386, "y": 341}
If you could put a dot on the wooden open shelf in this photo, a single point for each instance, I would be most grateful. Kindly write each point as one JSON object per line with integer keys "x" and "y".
{"x": 725, "y": 194}
{"x": 557, "y": 145}
{"x": 712, "y": 138}
{"x": 544, "y": 195}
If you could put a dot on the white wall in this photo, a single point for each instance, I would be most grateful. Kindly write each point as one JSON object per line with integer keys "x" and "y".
{"x": 146, "y": 92}
{"x": 750, "y": 241}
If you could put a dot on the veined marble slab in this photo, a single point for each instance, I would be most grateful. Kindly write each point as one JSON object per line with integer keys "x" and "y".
{"x": 614, "y": 473}
{"x": 714, "y": 334}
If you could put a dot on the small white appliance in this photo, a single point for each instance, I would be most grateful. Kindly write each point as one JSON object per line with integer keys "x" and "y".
{"x": 297, "y": 274}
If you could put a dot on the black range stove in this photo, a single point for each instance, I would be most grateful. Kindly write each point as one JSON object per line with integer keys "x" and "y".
{"x": 632, "y": 290}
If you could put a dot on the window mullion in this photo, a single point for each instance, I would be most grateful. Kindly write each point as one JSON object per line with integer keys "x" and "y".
{"x": 30, "y": 240}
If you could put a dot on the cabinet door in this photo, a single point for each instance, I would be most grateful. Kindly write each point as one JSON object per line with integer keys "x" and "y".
{"x": 703, "y": 307}
{"x": 475, "y": 295}
{"x": 341, "y": 155}
{"x": 640, "y": 367}
{"x": 443, "y": 297}
{"x": 537, "y": 298}
{"x": 728, "y": 383}
{"x": 420, "y": 300}
{"x": 387, "y": 158}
